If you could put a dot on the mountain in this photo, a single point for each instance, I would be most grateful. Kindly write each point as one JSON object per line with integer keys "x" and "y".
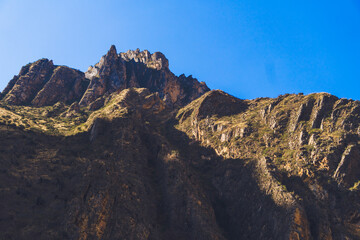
{"x": 42, "y": 83}
{"x": 128, "y": 150}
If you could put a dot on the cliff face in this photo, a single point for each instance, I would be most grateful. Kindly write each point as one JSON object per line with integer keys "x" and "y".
{"x": 140, "y": 69}
{"x": 307, "y": 144}
{"x": 115, "y": 153}
{"x": 24, "y": 87}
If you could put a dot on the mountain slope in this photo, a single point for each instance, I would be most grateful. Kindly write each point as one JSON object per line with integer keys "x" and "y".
{"x": 309, "y": 145}
{"x": 115, "y": 153}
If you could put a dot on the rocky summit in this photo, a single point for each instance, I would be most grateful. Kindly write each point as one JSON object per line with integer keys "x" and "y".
{"x": 129, "y": 150}
{"x": 43, "y": 84}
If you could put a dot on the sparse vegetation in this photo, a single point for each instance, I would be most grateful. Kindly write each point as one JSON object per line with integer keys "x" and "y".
{"x": 44, "y": 119}
{"x": 356, "y": 186}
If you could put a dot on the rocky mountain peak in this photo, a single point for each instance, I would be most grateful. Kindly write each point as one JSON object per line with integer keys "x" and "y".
{"x": 156, "y": 60}
{"x": 111, "y": 56}
{"x": 112, "y": 50}
{"x": 136, "y": 68}
{"x": 32, "y": 77}
{"x": 38, "y": 83}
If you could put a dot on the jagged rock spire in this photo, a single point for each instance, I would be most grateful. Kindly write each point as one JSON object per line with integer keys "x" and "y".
{"x": 135, "y": 68}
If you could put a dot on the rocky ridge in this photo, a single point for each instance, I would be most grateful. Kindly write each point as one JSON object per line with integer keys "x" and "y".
{"x": 308, "y": 144}
{"x": 43, "y": 84}
{"x": 117, "y": 153}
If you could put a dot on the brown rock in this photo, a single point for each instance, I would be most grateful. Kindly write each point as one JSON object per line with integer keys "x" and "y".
{"x": 42, "y": 84}
{"x": 322, "y": 108}
{"x": 28, "y": 83}
{"x": 140, "y": 69}
{"x": 66, "y": 85}
{"x": 348, "y": 170}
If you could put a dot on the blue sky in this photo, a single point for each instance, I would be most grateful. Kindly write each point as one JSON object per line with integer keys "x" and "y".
{"x": 252, "y": 48}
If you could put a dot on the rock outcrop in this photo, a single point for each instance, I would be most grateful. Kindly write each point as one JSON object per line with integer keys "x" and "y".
{"x": 42, "y": 84}
{"x": 23, "y": 88}
{"x": 310, "y": 146}
{"x": 115, "y": 72}
{"x": 348, "y": 170}
{"x": 65, "y": 85}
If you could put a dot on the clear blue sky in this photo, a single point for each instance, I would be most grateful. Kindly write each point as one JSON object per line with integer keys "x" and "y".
{"x": 249, "y": 48}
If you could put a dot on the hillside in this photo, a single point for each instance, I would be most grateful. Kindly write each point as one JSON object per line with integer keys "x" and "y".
{"x": 129, "y": 150}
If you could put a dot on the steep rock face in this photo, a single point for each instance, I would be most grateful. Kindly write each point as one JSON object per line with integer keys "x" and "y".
{"x": 12, "y": 82}
{"x": 121, "y": 179}
{"x": 65, "y": 85}
{"x": 156, "y": 60}
{"x": 23, "y": 88}
{"x": 236, "y": 187}
{"x": 105, "y": 76}
{"x": 310, "y": 144}
{"x": 348, "y": 170}
{"x": 43, "y": 84}
{"x": 140, "y": 69}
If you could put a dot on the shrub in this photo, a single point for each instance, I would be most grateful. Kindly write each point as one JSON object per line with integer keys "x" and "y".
{"x": 356, "y": 186}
